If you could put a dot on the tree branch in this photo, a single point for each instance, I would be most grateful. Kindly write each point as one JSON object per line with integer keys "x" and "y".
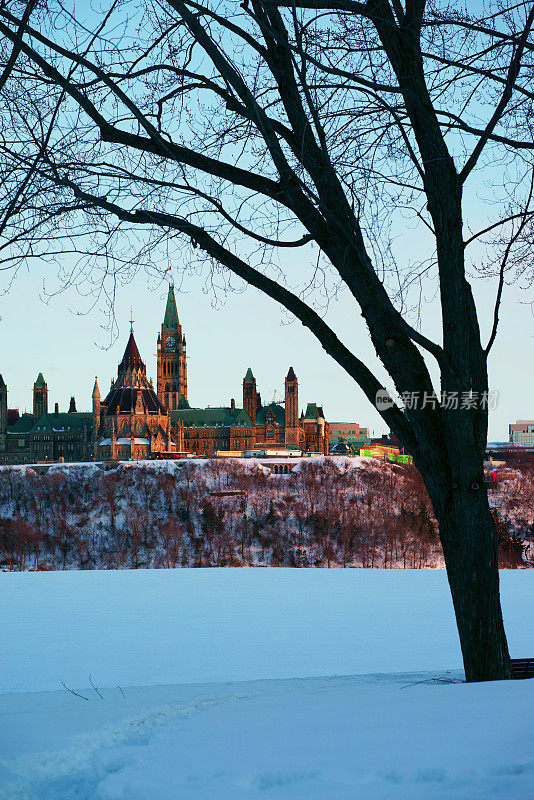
{"x": 513, "y": 72}
{"x": 307, "y": 316}
{"x": 17, "y": 43}
{"x": 512, "y": 241}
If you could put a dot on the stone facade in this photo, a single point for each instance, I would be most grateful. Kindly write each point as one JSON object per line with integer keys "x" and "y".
{"x": 254, "y": 426}
{"x": 172, "y": 366}
{"x": 204, "y": 431}
{"x": 131, "y": 422}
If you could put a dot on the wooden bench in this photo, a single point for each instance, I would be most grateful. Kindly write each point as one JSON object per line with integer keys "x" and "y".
{"x": 522, "y": 668}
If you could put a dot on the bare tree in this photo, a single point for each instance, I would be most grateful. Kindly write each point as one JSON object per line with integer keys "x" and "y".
{"x": 313, "y": 124}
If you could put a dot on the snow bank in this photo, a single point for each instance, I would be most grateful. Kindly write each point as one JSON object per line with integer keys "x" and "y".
{"x": 329, "y": 739}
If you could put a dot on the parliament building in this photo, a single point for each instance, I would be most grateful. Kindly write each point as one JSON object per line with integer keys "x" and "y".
{"x": 134, "y": 420}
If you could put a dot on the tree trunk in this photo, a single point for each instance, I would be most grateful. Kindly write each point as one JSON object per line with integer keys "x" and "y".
{"x": 469, "y": 541}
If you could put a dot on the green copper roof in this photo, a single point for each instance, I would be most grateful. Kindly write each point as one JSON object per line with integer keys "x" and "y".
{"x": 183, "y": 403}
{"x": 53, "y": 422}
{"x": 277, "y": 410}
{"x": 211, "y": 417}
{"x": 171, "y": 321}
{"x": 249, "y": 377}
{"x": 311, "y": 411}
{"x": 40, "y": 380}
{"x": 24, "y": 424}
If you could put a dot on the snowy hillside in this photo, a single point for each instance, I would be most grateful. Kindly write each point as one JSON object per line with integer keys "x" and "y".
{"x": 326, "y": 512}
{"x": 235, "y": 684}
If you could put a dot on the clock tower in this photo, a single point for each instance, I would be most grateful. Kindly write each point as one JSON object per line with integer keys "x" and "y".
{"x": 172, "y": 366}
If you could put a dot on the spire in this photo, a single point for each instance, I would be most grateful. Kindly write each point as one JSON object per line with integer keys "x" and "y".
{"x": 291, "y": 375}
{"x": 96, "y": 390}
{"x": 40, "y": 380}
{"x": 171, "y": 321}
{"x": 249, "y": 377}
{"x": 131, "y": 358}
{"x": 2, "y": 384}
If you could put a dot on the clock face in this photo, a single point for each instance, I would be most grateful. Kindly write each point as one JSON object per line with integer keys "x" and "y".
{"x": 170, "y": 341}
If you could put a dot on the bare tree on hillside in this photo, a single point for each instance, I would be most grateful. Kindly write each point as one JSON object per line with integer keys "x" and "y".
{"x": 312, "y": 126}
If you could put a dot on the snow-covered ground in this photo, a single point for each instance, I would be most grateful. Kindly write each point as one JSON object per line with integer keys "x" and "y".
{"x": 248, "y": 683}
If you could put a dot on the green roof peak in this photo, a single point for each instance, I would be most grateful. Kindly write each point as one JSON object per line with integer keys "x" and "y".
{"x": 312, "y": 412}
{"x": 171, "y": 321}
{"x": 40, "y": 380}
{"x": 249, "y": 377}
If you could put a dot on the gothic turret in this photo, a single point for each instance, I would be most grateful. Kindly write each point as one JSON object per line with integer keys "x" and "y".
{"x": 172, "y": 359}
{"x": 291, "y": 409}
{"x": 40, "y": 397}
{"x": 96, "y": 417}
{"x": 131, "y": 393}
{"x": 130, "y": 422}
{"x": 96, "y": 393}
{"x": 250, "y": 395}
{"x": 3, "y": 417}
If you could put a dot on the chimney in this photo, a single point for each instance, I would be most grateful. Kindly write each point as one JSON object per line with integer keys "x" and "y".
{"x": 72, "y": 407}
{"x": 232, "y": 406}
{"x": 56, "y": 409}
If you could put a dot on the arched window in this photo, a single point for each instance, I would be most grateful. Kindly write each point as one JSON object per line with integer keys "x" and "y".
{"x": 167, "y": 387}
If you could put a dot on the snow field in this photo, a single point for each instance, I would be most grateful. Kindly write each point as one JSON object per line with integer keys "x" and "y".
{"x": 138, "y": 627}
{"x": 214, "y": 688}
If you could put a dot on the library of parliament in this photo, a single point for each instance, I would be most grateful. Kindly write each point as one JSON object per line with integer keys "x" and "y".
{"x": 136, "y": 421}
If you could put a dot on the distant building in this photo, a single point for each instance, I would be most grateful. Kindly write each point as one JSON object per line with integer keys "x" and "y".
{"x": 386, "y": 454}
{"x": 348, "y": 432}
{"x": 522, "y": 431}
{"x": 42, "y": 436}
{"x": 136, "y": 421}
{"x": 131, "y": 422}
{"x": 254, "y": 426}
{"x": 387, "y": 440}
{"x": 342, "y": 448}
{"x": 172, "y": 364}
